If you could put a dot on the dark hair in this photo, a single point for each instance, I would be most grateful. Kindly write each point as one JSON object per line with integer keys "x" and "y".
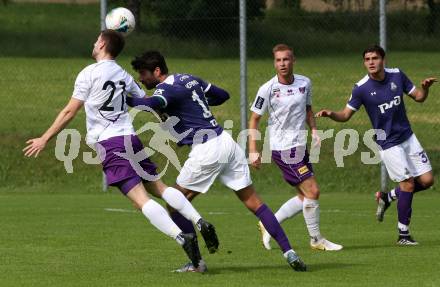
{"x": 374, "y": 49}
{"x": 282, "y": 47}
{"x": 150, "y": 60}
{"x": 114, "y": 42}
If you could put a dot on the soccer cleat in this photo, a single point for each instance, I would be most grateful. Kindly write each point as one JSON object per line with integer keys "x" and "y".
{"x": 295, "y": 262}
{"x": 265, "y": 236}
{"x": 191, "y": 248}
{"x": 208, "y": 233}
{"x": 324, "y": 245}
{"x": 406, "y": 240}
{"x": 189, "y": 267}
{"x": 382, "y": 205}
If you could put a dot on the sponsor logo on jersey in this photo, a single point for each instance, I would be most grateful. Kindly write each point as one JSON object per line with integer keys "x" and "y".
{"x": 303, "y": 170}
{"x": 373, "y": 93}
{"x": 259, "y": 102}
{"x": 184, "y": 77}
{"x": 385, "y": 106}
{"x": 158, "y": 92}
{"x": 302, "y": 90}
{"x": 289, "y": 92}
{"x": 393, "y": 87}
{"x": 276, "y": 92}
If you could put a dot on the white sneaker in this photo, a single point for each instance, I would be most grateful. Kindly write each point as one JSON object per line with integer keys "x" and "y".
{"x": 324, "y": 245}
{"x": 189, "y": 267}
{"x": 265, "y": 236}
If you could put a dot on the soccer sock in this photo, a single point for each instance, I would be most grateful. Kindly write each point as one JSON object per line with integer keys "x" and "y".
{"x": 273, "y": 227}
{"x": 418, "y": 187}
{"x": 159, "y": 218}
{"x": 404, "y": 211}
{"x": 182, "y": 222}
{"x": 289, "y": 209}
{"x": 179, "y": 202}
{"x": 394, "y": 194}
{"x": 311, "y": 217}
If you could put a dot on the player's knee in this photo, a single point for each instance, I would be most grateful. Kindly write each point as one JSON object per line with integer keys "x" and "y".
{"x": 427, "y": 182}
{"x": 407, "y": 185}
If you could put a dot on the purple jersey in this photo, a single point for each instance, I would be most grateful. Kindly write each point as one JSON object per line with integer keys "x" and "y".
{"x": 383, "y": 101}
{"x": 184, "y": 97}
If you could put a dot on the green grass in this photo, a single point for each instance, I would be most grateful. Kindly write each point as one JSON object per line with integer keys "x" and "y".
{"x": 73, "y": 240}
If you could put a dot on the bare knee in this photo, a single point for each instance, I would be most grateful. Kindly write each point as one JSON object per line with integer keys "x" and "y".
{"x": 426, "y": 180}
{"x": 407, "y": 185}
{"x": 250, "y": 198}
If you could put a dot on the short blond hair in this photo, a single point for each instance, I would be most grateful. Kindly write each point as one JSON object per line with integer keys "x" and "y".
{"x": 282, "y": 47}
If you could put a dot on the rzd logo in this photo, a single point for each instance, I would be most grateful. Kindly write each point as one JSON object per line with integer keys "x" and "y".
{"x": 386, "y": 106}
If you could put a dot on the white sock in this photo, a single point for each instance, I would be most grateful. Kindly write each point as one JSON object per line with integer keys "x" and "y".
{"x": 179, "y": 202}
{"x": 289, "y": 209}
{"x": 160, "y": 219}
{"x": 311, "y": 217}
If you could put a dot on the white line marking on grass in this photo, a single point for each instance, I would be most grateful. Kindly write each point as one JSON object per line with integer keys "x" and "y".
{"x": 120, "y": 210}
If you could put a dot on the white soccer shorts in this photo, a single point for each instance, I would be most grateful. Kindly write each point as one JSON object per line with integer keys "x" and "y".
{"x": 220, "y": 156}
{"x": 406, "y": 160}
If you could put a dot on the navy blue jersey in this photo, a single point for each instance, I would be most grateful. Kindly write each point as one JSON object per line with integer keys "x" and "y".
{"x": 184, "y": 97}
{"x": 383, "y": 101}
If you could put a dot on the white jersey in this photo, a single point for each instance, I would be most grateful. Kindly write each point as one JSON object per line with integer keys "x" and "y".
{"x": 287, "y": 111}
{"x": 103, "y": 87}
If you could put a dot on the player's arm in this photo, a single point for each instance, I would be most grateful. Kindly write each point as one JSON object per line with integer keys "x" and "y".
{"x": 420, "y": 95}
{"x": 339, "y": 116}
{"x": 311, "y": 122}
{"x": 153, "y": 102}
{"x": 254, "y": 154}
{"x": 216, "y": 96}
{"x": 64, "y": 117}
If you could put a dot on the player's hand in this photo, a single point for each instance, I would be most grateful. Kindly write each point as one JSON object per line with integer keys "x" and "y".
{"x": 426, "y": 83}
{"x": 316, "y": 140}
{"x": 34, "y": 147}
{"x": 323, "y": 113}
{"x": 255, "y": 159}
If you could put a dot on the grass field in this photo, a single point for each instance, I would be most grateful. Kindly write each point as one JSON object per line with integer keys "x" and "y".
{"x": 59, "y": 229}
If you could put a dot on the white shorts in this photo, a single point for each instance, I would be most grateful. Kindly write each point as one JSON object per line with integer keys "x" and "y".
{"x": 220, "y": 156}
{"x": 406, "y": 160}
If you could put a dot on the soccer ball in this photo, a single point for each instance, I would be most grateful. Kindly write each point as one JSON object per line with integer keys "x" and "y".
{"x": 120, "y": 19}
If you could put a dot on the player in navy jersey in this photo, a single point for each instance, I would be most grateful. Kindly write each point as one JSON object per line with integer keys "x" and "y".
{"x": 381, "y": 93}
{"x": 213, "y": 152}
{"x": 287, "y": 97}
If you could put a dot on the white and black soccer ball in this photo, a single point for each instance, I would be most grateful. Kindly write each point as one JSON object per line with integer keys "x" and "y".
{"x": 120, "y": 19}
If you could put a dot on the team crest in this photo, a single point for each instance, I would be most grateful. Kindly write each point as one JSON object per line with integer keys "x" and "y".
{"x": 289, "y": 92}
{"x": 302, "y": 90}
{"x": 393, "y": 87}
{"x": 276, "y": 92}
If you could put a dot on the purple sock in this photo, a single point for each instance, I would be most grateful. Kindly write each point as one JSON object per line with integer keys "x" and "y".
{"x": 404, "y": 207}
{"x": 418, "y": 187}
{"x": 182, "y": 222}
{"x": 273, "y": 227}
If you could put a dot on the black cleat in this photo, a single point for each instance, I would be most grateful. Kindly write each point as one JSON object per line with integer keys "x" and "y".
{"x": 208, "y": 233}
{"x": 406, "y": 240}
{"x": 382, "y": 205}
{"x": 295, "y": 262}
{"x": 191, "y": 248}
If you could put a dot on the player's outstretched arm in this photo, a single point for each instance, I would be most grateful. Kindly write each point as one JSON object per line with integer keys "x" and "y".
{"x": 420, "y": 95}
{"x": 254, "y": 154}
{"x": 64, "y": 117}
{"x": 340, "y": 116}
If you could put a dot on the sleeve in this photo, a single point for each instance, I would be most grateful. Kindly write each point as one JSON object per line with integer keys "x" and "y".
{"x": 166, "y": 94}
{"x": 134, "y": 89}
{"x": 355, "y": 101}
{"x": 82, "y": 86}
{"x": 206, "y": 86}
{"x": 261, "y": 101}
{"x": 309, "y": 94}
{"x": 407, "y": 85}
{"x": 152, "y": 102}
{"x": 216, "y": 96}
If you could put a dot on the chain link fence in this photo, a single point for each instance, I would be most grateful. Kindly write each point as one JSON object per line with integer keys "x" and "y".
{"x": 328, "y": 37}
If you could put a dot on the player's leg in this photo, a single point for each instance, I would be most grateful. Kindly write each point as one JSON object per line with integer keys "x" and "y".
{"x": 311, "y": 212}
{"x": 253, "y": 202}
{"x": 404, "y": 211}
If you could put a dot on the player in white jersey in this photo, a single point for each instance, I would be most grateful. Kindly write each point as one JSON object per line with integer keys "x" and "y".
{"x": 102, "y": 88}
{"x": 288, "y": 99}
